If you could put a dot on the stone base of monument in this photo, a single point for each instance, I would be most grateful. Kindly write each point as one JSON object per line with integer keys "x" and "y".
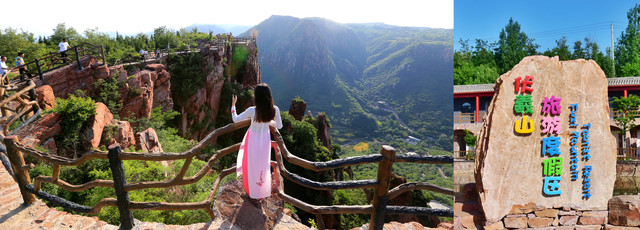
{"x": 623, "y": 214}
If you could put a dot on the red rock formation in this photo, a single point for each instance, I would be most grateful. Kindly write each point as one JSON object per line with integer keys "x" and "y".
{"x": 41, "y": 132}
{"x": 46, "y": 98}
{"x": 137, "y": 95}
{"x": 324, "y": 134}
{"x": 162, "y": 87}
{"x": 237, "y": 211}
{"x": 297, "y": 109}
{"x": 68, "y": 79}
{"x": 147, "y": 141}
{"x": 124, "y": 136}
{"x": 204, "y": 105}
{"x": 93, "y": 133}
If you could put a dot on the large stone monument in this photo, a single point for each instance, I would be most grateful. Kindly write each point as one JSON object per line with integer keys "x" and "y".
{"x": 546, "y": 141}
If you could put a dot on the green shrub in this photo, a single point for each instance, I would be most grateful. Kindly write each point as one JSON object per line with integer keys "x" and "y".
{"x": 107, "y": 93}
{"x": 74, "y": 111}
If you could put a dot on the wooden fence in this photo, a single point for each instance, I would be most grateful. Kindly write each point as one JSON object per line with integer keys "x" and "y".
{"x": 17, "y": 101}
{"x": 464, "y": 155}
{"x": 628, "y": 153}
{"x": 53, "y": 60}
{"x": 378, "y": 210}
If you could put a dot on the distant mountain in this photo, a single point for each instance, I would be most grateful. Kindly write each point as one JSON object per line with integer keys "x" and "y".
{"x": 218, "y": 29}
{"x": 346, "y": 69}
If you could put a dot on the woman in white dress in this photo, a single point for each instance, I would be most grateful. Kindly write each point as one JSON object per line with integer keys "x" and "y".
{"x": 254, "y": 156}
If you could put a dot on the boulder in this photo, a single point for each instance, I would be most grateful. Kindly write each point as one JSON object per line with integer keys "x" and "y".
{"x": 509, "y": 165}
{"x": 625, "y": 210}
{"x": 147, "y": 141}
{"x": 93, "y": 133}
{"x": 125, "y": 136}
{"x": 235, "y": 210}
{"x": 297, "y": 109}
{"x": 46, "y": 98}
{"x": 41, "y": 132}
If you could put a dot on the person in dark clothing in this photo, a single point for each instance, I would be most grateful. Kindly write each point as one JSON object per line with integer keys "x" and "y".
{"x": 21, "y": 66}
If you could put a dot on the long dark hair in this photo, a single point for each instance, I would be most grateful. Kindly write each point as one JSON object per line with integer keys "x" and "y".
{"x": 265, "y": 111}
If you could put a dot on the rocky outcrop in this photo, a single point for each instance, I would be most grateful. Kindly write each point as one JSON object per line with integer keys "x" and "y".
{"x": 204, "y": 106}
{"x": 161, "y": 87}
{"x": 68, "y": 79}
{"x": 41, "y": 132}
{"x": 46, "y": 98}
{"x": 124, "y": 136}
{"x": 324, "y": 132}
{"x": 297, "y": 109}
{"x": 137, "y": 95}
{"x": 509, "y": 165}
{"x": 147, "y": 141}
{"x": 237, "y": 211}
{"x": 96, "y": 124}
{"x": 625, "y": 211}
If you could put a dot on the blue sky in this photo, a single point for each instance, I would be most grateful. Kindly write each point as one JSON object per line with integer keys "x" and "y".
{"x": 543, "y": 20}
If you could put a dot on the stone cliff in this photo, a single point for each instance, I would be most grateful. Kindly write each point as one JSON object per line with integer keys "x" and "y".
{"x": 237, "y": 63}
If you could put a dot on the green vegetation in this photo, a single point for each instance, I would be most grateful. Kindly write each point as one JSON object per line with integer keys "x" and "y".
{"x": 470, "y": 139}
{"x": 485, "y": 61}
{"x": 74, "y": 111}
{"x": 627, "y": 108}
{"x": 187, "y": 75}
{"x": 107, "y": 93}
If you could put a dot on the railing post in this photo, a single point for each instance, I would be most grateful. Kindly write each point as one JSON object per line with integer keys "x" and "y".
{"x": 104, "y": 57}
{"x": 126, "y": 217}
{"x": 22, "y": 174}
{"x": 381, "y": 193}
{"x": 32, "y": 95}
{"x": 39, "y": 70}
{"x": 78, "y": 58}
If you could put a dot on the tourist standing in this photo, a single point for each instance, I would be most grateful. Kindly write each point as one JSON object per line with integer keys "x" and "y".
{"x": 63, "y": 49}
{"x": 3, "y": 65}
{"x": 253, "y": 161}
{"x": 21, "y": 66}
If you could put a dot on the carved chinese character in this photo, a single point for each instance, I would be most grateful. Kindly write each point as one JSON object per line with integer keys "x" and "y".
{"x": 528, "y": 81}
{"x": 551, "y": 186}
{"x": 522, "y": 127}
{"x": 552, "y": 166}
{"x": 551, "y": 125}
{"x": 550, "y": 146}
{"x": 551, "y": 105}
{"x": 523, "y": 104}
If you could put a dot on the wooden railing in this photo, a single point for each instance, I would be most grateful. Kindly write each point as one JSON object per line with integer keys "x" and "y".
{"x": 628, "y": 153}
{"x": 17, "y": 101}
{"x": 464, "y": 155}
{"x": 378, "y": 209}
{"x": 468, "y": 117}
{"x": 53, "y": 60}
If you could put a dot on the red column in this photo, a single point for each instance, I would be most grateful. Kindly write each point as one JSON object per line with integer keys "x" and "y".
{"x": 625, "y": 93}
{"x": 478, "y": 109}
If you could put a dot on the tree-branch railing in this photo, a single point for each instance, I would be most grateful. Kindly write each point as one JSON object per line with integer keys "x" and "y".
{"x": 382, "y": 194}
{"x": 16, "y": 101}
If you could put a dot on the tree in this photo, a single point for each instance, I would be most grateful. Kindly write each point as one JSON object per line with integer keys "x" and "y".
{"x": 61, "y": 31}
{"x": 512, "y": 46}
{"x": 561, "y": 50}
{"x": 627, "y": 108}
{"x": 628, "y": 48}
